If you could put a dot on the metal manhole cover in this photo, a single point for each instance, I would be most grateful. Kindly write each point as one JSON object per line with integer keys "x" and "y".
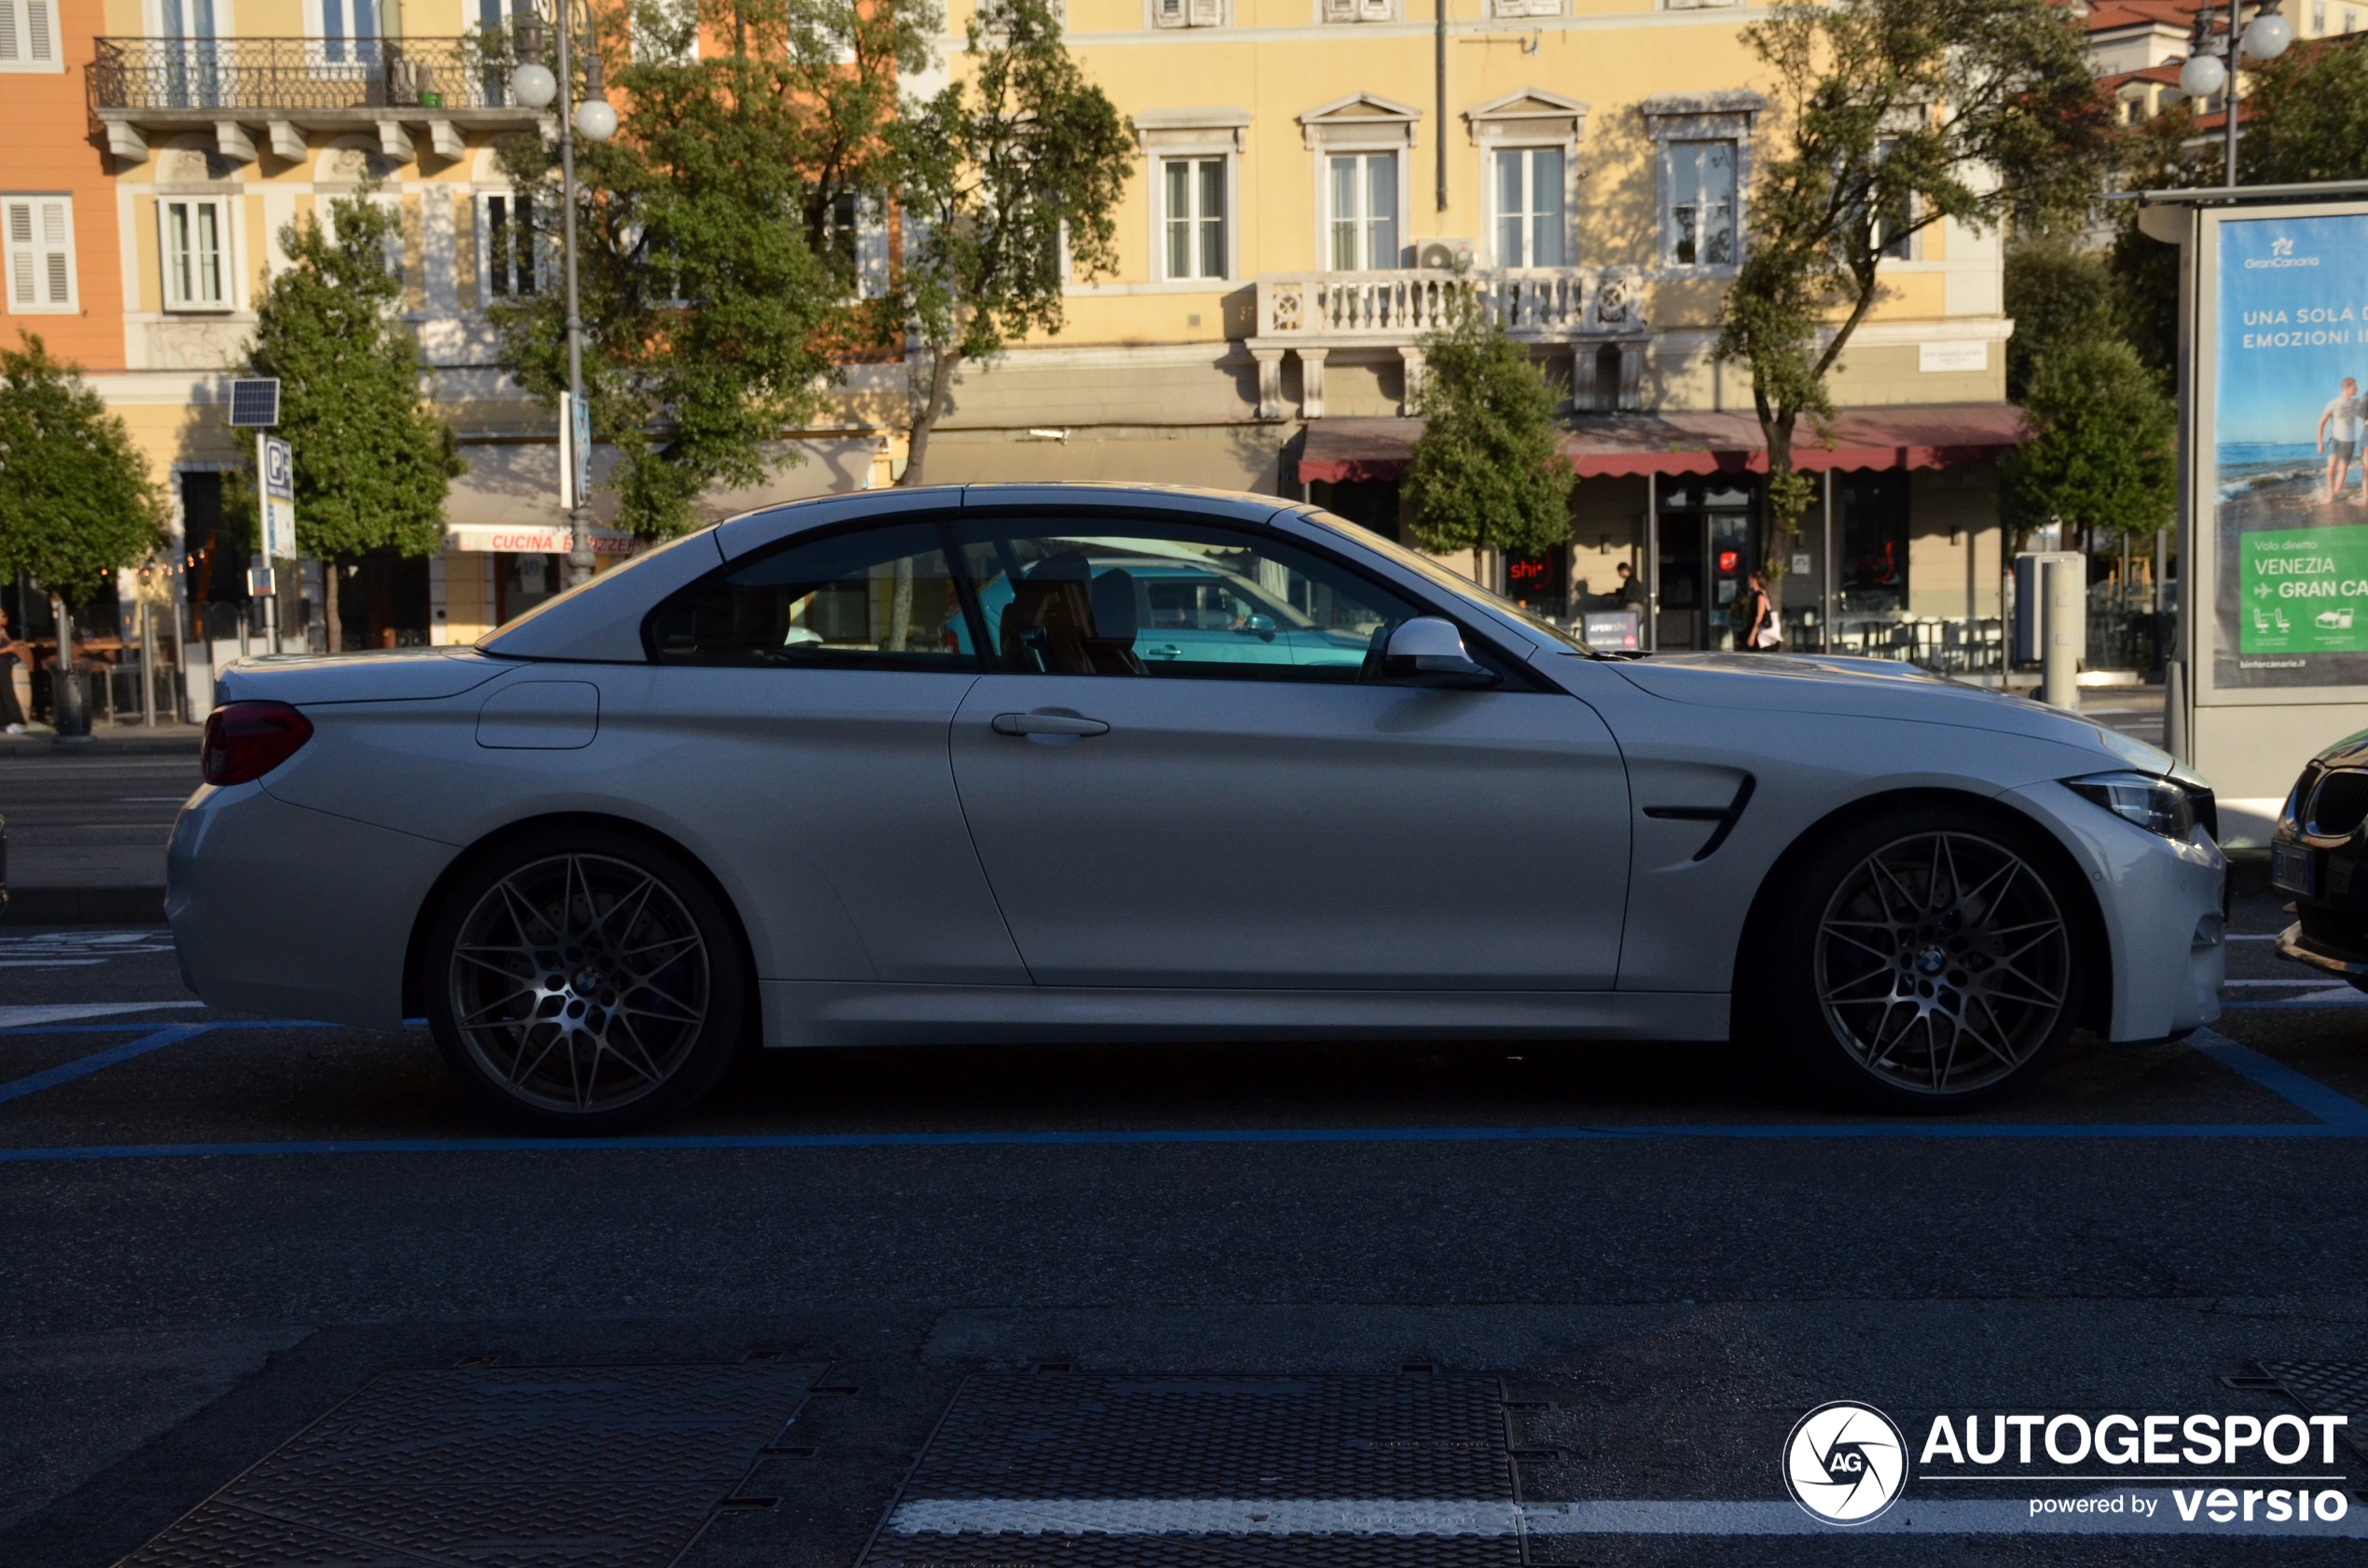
{"x": 488, "y": 1466}
{"x": 2327, "y": 1388}
{"x": 1129, "y": 1472}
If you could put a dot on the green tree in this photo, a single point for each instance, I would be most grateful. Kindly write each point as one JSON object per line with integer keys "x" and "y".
{"x": 2306, "y": 117}
{"x": 1488, "y": 472}
{"x": 1008, "y": 180}
{"x": 77, "y": 501}
{"x": 373, "y": 462}
{"x": 1891, "y": 116}
{"x": 2102, "y": 452}
{"x": 2060, "y": 290}
{"x": 703, "y": 233}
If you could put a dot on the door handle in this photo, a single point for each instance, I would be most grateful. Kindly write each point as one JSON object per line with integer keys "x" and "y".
{"x": 1047, "y": 724}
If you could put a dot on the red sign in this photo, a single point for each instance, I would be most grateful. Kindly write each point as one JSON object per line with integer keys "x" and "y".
{"x": 1727, "y": 559}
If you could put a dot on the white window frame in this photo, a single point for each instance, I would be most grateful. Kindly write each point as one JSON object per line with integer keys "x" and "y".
{"x": 1674, "y": 117}
{"x": 1361, "y": 123}
{"x": 1361, "y": 222}
{"x": 1350, "y": 12}
{"x": 1528, "y": 120}
{"x": 1530, "y": 205}
{"x": 1195, "y": 135}
{"x": 29, "y": 36}
{"x": 178, "y": 298}
{"x": 1186, "y": 13}
{"x": 487, "y": 293}
{"x": 1195, "y": 218}
{"x": 1507, "y": 8}
{"x": 34, "y": 264}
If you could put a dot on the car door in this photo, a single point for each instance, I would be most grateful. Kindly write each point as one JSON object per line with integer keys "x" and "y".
{"x": 1264, "y": 818}
{"x": 795, "y": 711}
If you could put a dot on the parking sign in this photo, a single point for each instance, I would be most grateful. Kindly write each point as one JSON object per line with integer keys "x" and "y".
{"x": 278, "y": 466}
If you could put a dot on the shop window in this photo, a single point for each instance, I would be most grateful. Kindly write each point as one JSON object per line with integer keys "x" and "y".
{"x": 523, "y": 580}
{"x": 383, "y": 601}
{"x": 1872, "y": 514}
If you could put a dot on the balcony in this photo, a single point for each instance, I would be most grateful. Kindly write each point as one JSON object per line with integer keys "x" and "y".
{"x": 1312, "y": 314}
{"x": 292, "y": 87}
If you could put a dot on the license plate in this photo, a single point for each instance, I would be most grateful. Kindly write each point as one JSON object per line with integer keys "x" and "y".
{"x": 2294, "y": 869}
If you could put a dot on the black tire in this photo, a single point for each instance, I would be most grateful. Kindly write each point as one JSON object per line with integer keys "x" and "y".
{"x": 583, "y": 983}
{"x": 1928, "y": 960}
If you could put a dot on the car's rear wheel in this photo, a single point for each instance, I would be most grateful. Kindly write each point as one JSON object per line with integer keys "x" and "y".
{"x": 1928, "y": 960}
{"x": 586, "y": 982}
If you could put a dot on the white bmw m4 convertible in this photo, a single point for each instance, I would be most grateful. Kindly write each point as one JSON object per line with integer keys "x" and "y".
{"x": 1028, "y": 764}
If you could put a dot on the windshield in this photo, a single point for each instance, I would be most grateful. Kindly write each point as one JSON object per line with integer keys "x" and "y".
{"x": 1432, "y": 572}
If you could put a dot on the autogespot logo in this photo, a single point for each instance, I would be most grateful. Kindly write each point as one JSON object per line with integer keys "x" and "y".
{"x": 1845, "y": 1463}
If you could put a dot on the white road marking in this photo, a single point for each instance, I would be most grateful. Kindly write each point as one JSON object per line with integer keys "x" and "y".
{"x": 150, "y": 800}
{"x": 1485, "y": 1516}
{"x": 48, "y": 963}
{"x": 24, "y": 1017}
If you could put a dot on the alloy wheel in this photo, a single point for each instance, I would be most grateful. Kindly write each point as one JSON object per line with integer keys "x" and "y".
{"x": 580, "y": 983}
{"x": 1944, "y": 963}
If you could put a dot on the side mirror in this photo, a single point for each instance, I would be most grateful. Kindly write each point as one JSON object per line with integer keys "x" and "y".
{"x": 1429, "y": 650}
{"x": 1259, "y": 626}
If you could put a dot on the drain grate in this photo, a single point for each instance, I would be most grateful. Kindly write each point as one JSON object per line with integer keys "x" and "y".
{"x": 1114, "y": 1471}
{"x": 2326, "y": 1388}
{"x": 495, "y": 1466}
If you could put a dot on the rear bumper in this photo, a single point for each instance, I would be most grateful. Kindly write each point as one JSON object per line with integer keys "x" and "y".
{"x": 293, "y": 913}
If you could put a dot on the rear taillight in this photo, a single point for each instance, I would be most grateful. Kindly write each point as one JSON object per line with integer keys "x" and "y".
{"x": 245, "y": 740}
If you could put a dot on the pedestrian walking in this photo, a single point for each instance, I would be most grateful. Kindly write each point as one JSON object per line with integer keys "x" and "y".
{"x": 11, "y": 651}
{"x": 1763, "y": 632}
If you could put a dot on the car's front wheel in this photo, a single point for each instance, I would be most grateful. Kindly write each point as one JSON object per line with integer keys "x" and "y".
{"x": 1927, "y": 960}
{"x": 585, "y": 982}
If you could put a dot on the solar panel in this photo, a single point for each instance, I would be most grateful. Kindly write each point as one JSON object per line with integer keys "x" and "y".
{"x": 255, "y": 403}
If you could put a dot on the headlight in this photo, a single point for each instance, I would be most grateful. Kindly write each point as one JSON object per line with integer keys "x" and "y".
{"x": 2157, "y": 805}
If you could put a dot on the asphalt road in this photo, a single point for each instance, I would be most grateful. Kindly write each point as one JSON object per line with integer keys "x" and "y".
{"x": 91, "y": 820}
{"x": 185, "y": 1293}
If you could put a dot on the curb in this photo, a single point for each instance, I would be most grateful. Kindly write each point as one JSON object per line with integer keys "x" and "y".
{"x": 84, "y": 906}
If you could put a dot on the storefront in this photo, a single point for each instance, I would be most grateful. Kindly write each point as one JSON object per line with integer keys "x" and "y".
{"x": 1903, "y": 547}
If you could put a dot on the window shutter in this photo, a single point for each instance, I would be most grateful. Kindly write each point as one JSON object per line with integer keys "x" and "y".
{"x": 20, "y": 254}
{"x": 1376, "y": 10}
{"x": 57, "y": 270}
{"x": 1169, "y": 13}
{"x": 40, "y": 237}
{"x": 9, "y": 52}
{"x": 1207, "y": 13}
{"x": 1340, "y": 10}
{"x": 40, "y": 46}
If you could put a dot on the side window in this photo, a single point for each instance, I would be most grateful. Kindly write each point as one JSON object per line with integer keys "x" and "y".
{"x": 876, "y": 598}
{"x": 1110, "y": 597}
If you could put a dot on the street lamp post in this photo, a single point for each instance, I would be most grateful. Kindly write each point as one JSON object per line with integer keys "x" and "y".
{"x": 2265, "y": 37}
{"x": 594, "y": 120}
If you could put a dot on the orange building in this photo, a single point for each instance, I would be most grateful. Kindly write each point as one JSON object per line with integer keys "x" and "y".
{"x": 64, "y": 277}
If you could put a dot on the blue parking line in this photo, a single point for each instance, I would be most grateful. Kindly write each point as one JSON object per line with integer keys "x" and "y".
{"x": 2337, "y": 1117}
{"x": 1803, "y": 1132}
{"x": 2339, "y": 1110}
{"x": 83, "y": 1067}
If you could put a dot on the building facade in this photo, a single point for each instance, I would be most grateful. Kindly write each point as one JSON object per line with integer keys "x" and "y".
{"x": 1312, "y": 173}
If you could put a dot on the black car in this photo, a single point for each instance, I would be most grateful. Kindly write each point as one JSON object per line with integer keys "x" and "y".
{"x": 2317, "y": 855}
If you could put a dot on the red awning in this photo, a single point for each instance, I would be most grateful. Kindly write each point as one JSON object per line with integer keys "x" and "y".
{"x": 1915, "y": 435}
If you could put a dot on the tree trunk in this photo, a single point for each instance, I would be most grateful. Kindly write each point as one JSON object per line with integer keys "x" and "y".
{"x": 333, "y": 579}
{"x": 941, "y": 366}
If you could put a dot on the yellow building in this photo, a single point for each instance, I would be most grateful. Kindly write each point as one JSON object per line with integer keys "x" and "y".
{"x": 1312, "y": 172}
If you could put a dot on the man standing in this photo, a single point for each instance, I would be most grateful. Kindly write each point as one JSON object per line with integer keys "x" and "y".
{"x": 2342, "y": 443}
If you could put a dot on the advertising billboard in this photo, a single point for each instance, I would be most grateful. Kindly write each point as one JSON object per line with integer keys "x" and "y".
{"x": 2274, "y": 532}
{"x": 2288, "y": 484}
